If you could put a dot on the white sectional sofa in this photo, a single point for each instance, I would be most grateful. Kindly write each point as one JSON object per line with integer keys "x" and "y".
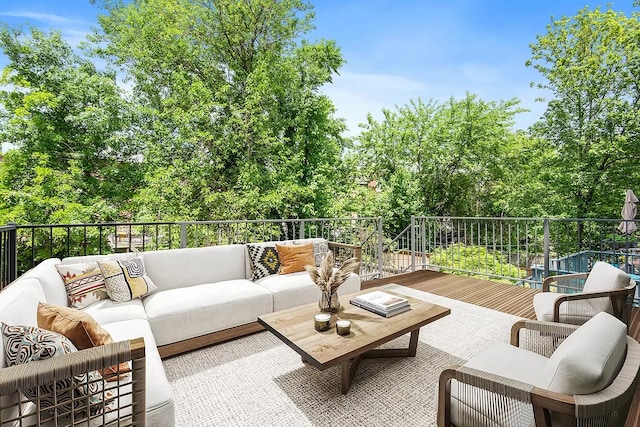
{"x": 205, "y": 295}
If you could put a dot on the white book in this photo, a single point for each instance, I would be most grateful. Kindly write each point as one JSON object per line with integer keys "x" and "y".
{"x": 382, "y": 300}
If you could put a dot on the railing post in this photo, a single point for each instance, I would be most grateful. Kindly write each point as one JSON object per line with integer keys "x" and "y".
{"x": 183, "y": 235}
{"x": 380, "y": 248}
{"x": 12, "y": 253}
{"x": 301, "y": 230}
{"x": 547, "y": 243}
{"x": 423, "y": 241}
{"x": 413, "y": 243}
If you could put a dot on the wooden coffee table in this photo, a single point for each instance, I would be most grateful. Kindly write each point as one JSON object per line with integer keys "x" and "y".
{"x": 294, "y": 327}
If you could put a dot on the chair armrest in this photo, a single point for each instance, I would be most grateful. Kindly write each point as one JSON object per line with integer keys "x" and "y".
{"x": 561, "y": 278}
{"x": 622, "y": 293}
{"x": 482, "y": 380}
{"x": 539, "y": 337}
{"x": 47, "y": 372}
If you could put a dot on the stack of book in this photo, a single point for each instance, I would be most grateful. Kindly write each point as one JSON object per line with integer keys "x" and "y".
{"x": 381, "y": 303}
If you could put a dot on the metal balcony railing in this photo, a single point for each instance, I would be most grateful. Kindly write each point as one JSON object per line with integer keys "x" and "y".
{"x": 517, "y": 250}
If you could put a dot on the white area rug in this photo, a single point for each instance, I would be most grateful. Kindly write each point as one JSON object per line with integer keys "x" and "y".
{"x": 259, "y": 381}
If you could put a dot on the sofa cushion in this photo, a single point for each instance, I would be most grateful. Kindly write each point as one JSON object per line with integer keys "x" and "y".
{"x": 19, "y": 304}
{"x": 590, "y": 358}
{"x": 126, "y": 280}
{"x": 51, "y": 282}
{"x": 108, "y": 311}
{"x": 83, "y": 282}
{"x": 24, "y": 344}
{"x": 159, "y": 400}
{"x": 604, "y": 277}
{"x": 80, "y": 328}
{"x": 123, "y": 256}
{"x": 290, "y": 290}
{"x": 264, "y": 260}
{"x": 293, "y": 258}
{"x": 182, "y": 313}
{"x": 179, "y": 268}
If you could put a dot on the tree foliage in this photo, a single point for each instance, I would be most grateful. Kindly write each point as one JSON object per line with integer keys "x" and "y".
{"x": 69, "y": 124}
{"x": 591, "y": 66}
{"x": 236, "y": 124}
{"x": 437, "y": 159}
{"x": 213, "y": 109}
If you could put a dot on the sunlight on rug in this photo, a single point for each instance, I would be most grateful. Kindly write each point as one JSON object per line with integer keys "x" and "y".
{"x": 258, "y": 380}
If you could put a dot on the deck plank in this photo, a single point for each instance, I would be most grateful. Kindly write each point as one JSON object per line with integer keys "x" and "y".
{"x": 503, "y": 297}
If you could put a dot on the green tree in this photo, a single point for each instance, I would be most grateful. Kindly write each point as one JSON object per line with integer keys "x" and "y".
{"x": 591, "y": 66}
{"x": 70, "y": 125}
{"x": 235, "y": 123}
{"x": 437, "y": 159}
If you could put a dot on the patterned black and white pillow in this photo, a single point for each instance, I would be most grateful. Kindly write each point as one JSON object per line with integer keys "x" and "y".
{"x": 24, "y": 344}
{"x": 264, "y": 260}
{"x": 320, "y": 248}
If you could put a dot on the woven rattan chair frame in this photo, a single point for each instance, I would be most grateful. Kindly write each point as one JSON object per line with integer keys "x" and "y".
{"x": 621, "y": 299}
{"x": 127, "y": 408}
{"x": 610, "y": 405}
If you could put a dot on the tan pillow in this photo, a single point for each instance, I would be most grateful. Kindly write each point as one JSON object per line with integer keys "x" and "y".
{"x": 293, "y": 258}
{"x": 80, "y": 328}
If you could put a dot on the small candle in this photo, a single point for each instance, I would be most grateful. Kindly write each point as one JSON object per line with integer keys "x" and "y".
{"x": 321, "y": 322}
{"x": 343, "y": 327}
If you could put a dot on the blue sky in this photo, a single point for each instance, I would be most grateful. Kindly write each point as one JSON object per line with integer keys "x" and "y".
{"x": 395, "y": 50}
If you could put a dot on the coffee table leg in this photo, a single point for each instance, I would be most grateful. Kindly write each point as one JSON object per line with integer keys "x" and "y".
{"x": 349, "y": 368}
{"x": 413, "y": 343}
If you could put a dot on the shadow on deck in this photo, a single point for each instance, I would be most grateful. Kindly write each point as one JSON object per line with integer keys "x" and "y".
{"x": 497, "y": 296}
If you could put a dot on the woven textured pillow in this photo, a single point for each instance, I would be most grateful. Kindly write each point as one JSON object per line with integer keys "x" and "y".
{"x": 126, "y": 280}
{"x": 84, "y": 283}
{"x": 264, "y": 260}
{"x": 81, "y": 329}
{"x": 320, "y": 248}
{"x": 24, "y": 344}
{"x": 293, "y": 258}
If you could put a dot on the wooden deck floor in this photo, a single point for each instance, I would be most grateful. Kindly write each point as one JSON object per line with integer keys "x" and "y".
{"x": 498, "y": 296}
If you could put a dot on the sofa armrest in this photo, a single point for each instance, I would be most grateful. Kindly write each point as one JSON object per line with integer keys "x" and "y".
{"x": 343, "y": 251}
{"x": 121, "y": 398}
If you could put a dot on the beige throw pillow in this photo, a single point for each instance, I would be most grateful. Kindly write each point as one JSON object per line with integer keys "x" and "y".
{"x": 84, "y": 283}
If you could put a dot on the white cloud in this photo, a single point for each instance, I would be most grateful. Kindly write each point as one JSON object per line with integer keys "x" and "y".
{"x": 357, "y": 94}
{"x": 73, "y": 30}
{"x": 46, "y": 18}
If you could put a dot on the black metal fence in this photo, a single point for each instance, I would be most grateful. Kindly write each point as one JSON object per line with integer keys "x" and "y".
{"x": 24, "y": 246}
{"x": 517, "y": 250}
{"x": 8, "y": 255}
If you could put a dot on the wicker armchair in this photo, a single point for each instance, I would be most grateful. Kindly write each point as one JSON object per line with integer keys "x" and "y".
{"x": 606, "y": 288}
{"x": 120, "y": 401}
{"x": 469, "y": 396}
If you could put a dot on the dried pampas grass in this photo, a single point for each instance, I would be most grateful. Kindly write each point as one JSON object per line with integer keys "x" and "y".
{"x": 326, "y": 278}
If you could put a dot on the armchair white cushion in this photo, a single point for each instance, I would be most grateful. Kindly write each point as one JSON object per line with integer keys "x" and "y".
{"x": 603, "y": 290}
{"x": 597, "y": 364}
